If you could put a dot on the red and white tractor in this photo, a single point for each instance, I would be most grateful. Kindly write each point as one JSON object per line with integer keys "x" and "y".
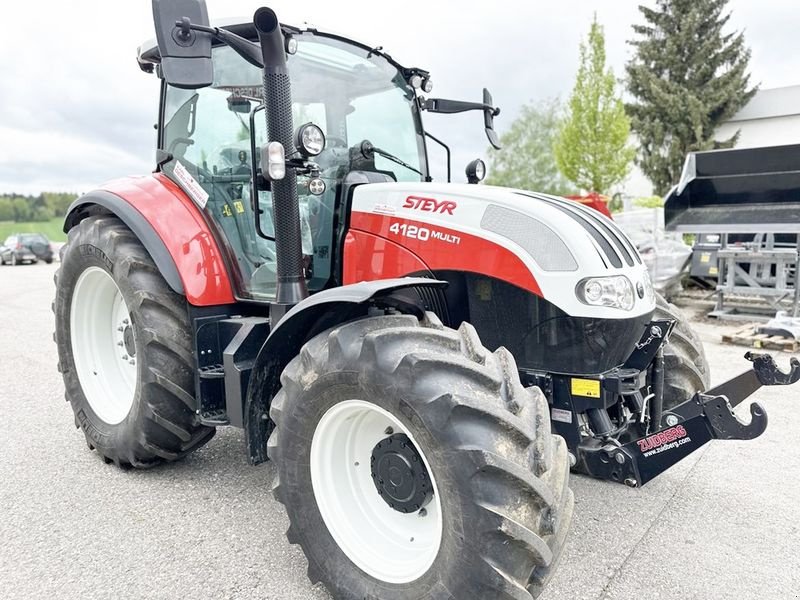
{"x": 424, "y": 362}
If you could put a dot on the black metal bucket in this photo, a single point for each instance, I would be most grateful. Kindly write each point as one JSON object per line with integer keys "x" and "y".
{"x": 737, "y": 191}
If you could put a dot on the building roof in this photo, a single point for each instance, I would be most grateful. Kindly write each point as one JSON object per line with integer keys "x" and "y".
{"x": 771, "y": 103}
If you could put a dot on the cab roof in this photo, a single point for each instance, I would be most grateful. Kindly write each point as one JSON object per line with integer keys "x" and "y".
{"x": 148, "y": 55}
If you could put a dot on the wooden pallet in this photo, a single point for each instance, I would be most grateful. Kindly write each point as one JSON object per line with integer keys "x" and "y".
{"x": 749, "y": 336}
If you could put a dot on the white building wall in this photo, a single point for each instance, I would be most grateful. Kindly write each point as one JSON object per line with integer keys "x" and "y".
{"x": 775, "y": 131}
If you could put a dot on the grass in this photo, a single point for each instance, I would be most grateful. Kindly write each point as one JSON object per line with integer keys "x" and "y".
{"x": 51, "y": 228}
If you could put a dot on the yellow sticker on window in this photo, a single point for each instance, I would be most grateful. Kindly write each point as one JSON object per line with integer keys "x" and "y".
{"x": 713, "y": 271}
{"x": 705, "y": 257}
{"x": 226, "y": 211}
{"x": 238, "y": 206}
{"x": 590, "y": 388}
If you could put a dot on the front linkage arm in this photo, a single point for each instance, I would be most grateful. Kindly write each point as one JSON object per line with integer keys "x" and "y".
{"x": 707, "y": 415}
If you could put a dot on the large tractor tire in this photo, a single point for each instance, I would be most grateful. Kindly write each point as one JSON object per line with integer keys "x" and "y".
{"x": 414, "y": 464}
{"x": 125, "y": 349}
{"x": 686, "y": 369}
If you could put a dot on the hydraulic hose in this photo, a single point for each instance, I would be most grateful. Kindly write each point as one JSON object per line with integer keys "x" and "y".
{"x": 657, "y": 402}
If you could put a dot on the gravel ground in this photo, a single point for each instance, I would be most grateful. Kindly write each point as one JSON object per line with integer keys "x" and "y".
{"x": 724, "y": 524}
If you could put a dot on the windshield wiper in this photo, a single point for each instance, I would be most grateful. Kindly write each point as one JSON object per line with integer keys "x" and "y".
{"x": 368, "y": 150}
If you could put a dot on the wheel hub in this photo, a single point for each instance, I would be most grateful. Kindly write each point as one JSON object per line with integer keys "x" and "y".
{"x": 127, "y": 339}
{"x": 399, "y": 474}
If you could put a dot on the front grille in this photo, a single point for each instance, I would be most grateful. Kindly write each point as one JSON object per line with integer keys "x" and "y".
{"x": 537, "y": 239}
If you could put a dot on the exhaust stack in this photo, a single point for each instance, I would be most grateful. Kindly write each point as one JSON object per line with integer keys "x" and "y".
{"x": 291, "y": 284}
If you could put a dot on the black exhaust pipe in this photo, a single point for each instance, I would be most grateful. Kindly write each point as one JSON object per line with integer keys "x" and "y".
{"x": 291, "y": 287}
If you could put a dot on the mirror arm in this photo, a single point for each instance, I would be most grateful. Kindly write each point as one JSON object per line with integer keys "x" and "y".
{"x": 246, "y": 49}
{"x": 443, "y": 106}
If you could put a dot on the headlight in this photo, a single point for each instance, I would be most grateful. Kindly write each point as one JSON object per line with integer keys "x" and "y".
{"x": 616, "y": 292}
{"x": 476, "y": 171}
{"x": 273, "y": 161}
{"x": 309, "y": 139}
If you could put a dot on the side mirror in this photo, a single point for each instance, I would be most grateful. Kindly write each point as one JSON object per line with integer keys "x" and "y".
{"x": 489, "y": 114}
{"x": 185, "y": 53}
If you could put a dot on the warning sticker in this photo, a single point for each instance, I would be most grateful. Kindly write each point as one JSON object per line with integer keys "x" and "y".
{"x": 589, "y": 388}
{"x": 384, "y": 209}
{"x": 190, "y": 184}
{"x": 559, "y": 414}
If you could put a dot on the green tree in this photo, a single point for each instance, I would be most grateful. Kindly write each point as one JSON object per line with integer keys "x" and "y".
{"x": 687, "y": 76}
{"x": 57, "y": 203}
{"x": 22, "y": 209}
{"x": 591, "y": 148}
{"x": 6, "y": 210}
{"x": 526, "y": 161}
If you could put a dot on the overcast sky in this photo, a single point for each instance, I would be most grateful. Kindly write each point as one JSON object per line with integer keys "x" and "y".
{"x": 75, "y": 110}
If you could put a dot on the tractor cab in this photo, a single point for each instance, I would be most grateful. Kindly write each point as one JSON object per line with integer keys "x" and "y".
{"x": 211, "y": 138}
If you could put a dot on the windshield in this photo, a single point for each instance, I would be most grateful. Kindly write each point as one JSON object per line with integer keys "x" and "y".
{"x": 338, "y": 86}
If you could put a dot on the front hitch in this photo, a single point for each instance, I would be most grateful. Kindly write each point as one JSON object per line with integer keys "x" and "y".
{"x": 705, "y": 416}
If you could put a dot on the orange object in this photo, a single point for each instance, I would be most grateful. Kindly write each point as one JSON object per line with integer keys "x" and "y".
{"x": 594, "y": 200}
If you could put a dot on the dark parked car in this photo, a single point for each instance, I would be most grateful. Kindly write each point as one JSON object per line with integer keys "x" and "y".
{"x": 26, "y": 247}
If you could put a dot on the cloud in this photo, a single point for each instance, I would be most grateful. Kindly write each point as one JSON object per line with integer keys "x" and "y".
{"x": 76, "y": 110}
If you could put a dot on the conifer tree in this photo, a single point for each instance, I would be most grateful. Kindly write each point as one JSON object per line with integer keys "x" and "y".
{"x": 688, "y": 75}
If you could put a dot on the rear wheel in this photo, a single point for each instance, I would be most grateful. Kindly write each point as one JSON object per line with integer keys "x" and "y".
{"x": 686, "y": 369}
{"x": 124, "y": 348}
{"x": 413, "y": 464}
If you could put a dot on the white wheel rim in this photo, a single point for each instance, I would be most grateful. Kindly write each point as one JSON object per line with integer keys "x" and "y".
{"x": 386, "y": 544}
{"x": 98, "y": 321}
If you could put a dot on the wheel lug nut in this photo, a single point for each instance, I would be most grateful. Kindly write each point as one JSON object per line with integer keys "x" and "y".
{"x": 124, "y": 357}
{"x": 132, "y": 362}
{"x": 120, "y": 344}
{"x": 120, "y": 329}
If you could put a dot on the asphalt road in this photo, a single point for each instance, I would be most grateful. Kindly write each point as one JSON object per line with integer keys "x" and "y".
{"x": 724, "y": 524}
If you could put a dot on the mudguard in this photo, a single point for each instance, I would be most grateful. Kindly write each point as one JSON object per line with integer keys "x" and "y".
{"x": 171, "y": 228}
{"x": 313, "y": 315}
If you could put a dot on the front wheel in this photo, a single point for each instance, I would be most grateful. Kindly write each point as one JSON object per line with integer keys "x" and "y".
{"x": 124, "y": 346}
{"x": 686, "y": 369}
{"x": 414, "y": 464}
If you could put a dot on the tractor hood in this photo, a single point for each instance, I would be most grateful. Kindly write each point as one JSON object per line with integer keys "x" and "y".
{"x": 547, "y": 245}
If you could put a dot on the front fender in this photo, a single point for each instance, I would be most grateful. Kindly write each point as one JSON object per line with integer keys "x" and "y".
{"x": 172, "y": 230}
{"x": 313, "y": 315}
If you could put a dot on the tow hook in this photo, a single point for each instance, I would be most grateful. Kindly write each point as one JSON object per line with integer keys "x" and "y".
{"x": 704, "y": 417}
